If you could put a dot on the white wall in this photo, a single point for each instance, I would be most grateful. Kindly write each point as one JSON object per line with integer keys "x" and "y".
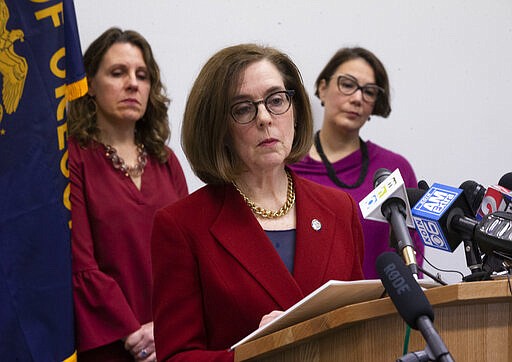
{"x": 450, "y": 66}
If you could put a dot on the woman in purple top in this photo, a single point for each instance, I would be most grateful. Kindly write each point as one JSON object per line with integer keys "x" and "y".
{"x": 351, "y": 87}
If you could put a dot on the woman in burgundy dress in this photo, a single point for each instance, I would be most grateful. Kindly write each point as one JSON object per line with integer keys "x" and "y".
{"x": 121, "y": 172}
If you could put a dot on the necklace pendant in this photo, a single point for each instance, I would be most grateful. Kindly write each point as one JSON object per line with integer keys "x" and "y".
{"x": 119, "y": 164}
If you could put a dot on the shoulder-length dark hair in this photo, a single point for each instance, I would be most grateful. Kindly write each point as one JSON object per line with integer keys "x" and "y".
{"x": 382, "y": 106}
{"x": 206, "y": 139}
{"x": 152, "y": 130}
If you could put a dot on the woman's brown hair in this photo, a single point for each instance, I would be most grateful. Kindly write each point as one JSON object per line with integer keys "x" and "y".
{"x": 382, "y": 106}
{"x": 205, "y": 131}
{"x": 152, "y": 130}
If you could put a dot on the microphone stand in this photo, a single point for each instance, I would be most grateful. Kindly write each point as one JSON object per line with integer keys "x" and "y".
{"x": 436, "y": 350}
{"x": 420, "y": 356}
{"x": 435, "y": 344}
{"x": 474, "y": 263}
{"x": 465, "y": 227}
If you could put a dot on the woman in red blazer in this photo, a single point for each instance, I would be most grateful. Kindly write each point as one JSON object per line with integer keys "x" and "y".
{"x": 257, "y": 238}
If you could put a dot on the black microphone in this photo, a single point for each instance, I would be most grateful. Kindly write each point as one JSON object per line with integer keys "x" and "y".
{"x": 506, "y": 181}
{"x": 394, "y": 210}
{"x": 494, "y": 232}
{"x": 474, "y": 194}
{"x": 410, "y": 302}
{"x": 423, "y": 185}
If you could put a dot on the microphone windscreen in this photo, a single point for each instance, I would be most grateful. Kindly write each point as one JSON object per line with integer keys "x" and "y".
{"x": 423, "y": 185}
{"x": 380, "y": 175}
{"x": 405, "y": 292}
{"x": 506, "y": 181}
{"x": 474, "y": 194}
{"x": 415, "y": 195}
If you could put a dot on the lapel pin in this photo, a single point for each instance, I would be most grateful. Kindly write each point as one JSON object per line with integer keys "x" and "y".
{"x": 316, "y": 225}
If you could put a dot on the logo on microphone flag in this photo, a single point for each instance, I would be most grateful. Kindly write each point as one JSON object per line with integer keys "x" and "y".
{"x": 392, "y": 186}
{"x": 428, "y": 214}
{"x": 496, "y": 198}
{"x": 40, "y": 70}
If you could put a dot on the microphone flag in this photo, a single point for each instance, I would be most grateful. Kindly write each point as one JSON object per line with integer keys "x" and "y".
{"x": 430, "y": 213}
{"x": 392, "y": 186}
{"x": 496, "y": 198}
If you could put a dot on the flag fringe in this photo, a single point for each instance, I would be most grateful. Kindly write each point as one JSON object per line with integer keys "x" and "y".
{"x": 77, "y": 89}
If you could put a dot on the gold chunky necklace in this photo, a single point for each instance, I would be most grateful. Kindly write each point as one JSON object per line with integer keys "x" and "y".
{"x": 270, "y": 214}
{"x": 119, "y": 164}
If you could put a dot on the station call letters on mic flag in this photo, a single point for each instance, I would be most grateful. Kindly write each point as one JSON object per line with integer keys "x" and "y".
{"x": 430, "y": 214}
{"x": 392, "y": 186}
{"x": 41, "y": 69}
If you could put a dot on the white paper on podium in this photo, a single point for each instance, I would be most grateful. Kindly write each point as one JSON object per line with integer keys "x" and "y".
{"x": 330, "y": 296}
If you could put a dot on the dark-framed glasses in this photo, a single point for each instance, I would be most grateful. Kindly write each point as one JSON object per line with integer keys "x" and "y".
{"x": 348, "y": 85}
{"x": 276, "y": 103}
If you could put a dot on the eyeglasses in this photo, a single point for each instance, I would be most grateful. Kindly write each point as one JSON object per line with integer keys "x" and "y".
{"x": 348, "y": 85}
{"x": 276, "y": 103}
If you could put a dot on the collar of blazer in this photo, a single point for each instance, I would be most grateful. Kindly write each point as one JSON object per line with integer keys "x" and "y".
{"x": 254, "y": 251}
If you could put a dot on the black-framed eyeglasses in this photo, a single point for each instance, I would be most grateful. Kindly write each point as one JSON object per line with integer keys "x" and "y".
{"x": 276, "y": 103}
{"x": 348, "y": 85}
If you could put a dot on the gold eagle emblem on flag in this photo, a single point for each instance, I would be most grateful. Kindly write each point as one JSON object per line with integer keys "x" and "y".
{"x": 13, "y": 67}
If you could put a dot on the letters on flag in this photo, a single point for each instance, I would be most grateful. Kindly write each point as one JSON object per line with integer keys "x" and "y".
{"x": 40, "y": 69}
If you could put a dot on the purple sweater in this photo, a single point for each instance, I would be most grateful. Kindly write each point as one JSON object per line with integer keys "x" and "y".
{"x": 376, "y": 234}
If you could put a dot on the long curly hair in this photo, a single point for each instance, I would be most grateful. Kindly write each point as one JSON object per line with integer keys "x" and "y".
{"x": 152, "y": 130}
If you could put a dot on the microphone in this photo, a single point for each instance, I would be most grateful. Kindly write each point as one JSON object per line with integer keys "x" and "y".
{"x": 411, "y": 303}
{"x": 494, "y": 233}
{"x": 440, "y": 219}
{"x": 474, "y": 194}
{"x": 423, "y": 185}
{"x": 506, "y": 181}
{"x": 432, "y": 215}
{"x": 388, "y": 185}
{"x": 497, "y": 198}
{"x": 436, "y": 215}
{"x": 390, "y": 194}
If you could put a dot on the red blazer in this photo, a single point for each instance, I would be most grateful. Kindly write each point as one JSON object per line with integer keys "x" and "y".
{"x": 216, "y": 272}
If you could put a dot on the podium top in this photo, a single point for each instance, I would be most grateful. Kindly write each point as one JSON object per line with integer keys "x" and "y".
{"x": 332, "y": 295}
{"x": 455, "y": 294}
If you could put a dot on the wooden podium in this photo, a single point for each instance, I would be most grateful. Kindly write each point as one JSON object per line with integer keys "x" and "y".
{"x": 474, "y": 320}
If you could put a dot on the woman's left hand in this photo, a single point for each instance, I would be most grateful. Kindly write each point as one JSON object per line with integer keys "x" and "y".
{"x": 267, "y": 318}
{"x": 141, "y": 344}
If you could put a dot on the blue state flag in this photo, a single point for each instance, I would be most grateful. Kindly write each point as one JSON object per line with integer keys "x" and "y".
{"x": 40, "y": 69}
